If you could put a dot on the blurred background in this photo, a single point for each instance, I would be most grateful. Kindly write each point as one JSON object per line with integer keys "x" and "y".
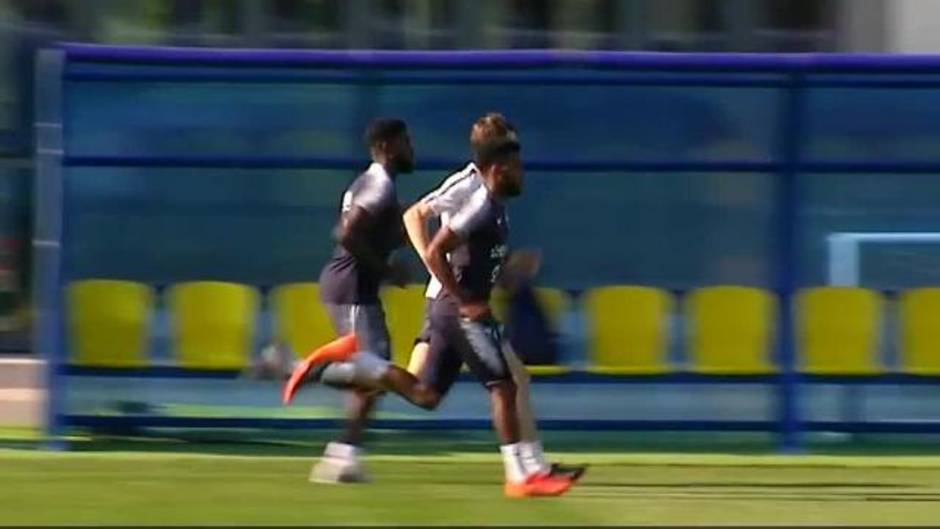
{"x": 650, "y": 25}
{"x": 687, "y": 218}
{"x": 670, "y": 231}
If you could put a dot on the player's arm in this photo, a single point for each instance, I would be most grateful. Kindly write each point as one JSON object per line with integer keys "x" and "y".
{"x": 521, "y": 266}
{"x": 448, "y": 197}
{"x": 416, "y": 226}
{"x": 351, "y": 234}
{"x": 448, "y": 239}
{"x": 444, "y": 242}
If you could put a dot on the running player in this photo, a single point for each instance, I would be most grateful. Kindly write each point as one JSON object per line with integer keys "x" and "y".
{"x": 369, "y": 229}
{"x": 462, "y": 328}
{"x": 443, "y": 202}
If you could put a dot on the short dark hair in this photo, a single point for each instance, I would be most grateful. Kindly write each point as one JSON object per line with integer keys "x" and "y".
{"x": 384, "y": 129}
{"x": 496, "y": 150}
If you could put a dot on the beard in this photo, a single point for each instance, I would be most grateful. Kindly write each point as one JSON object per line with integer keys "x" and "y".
{"x": 511, "y": 189}
{"x": 404, "y": 165}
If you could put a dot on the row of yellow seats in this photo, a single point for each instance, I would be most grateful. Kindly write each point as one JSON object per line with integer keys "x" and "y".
{"x": 212, "y": 324}
{"x": 731, "y": 330}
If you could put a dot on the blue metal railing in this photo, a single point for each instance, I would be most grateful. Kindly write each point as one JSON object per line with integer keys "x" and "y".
{"x": 792, "y": 75}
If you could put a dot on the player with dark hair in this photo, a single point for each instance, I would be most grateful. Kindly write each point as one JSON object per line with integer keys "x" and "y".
{"x": 369, "y": 229}
{"x": 443, "y": 203}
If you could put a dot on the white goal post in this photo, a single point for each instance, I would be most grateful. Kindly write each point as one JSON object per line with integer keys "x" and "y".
{"x": 844, "y": 249}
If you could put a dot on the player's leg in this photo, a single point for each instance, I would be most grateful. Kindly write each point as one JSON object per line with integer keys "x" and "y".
{"x": 532, "y": 451}
{"x": 433, "y": 363}
{"x": 339, "y": 365}
{"x": 418, "y": 362}
{"x": 419, "y": 356}
{"x": 528, "y": 430}
{"x": 503, "y": 411}
{"x": 359, "y": 406}
{"x": 481, "y": 347}
{"x": 341, "y": 461}
{"x": 366, "y": 371}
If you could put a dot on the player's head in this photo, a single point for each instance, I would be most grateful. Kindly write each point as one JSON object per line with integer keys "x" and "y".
{"x": 490, "y": 126}
{"x": 390, "y": 145}
{"x": 501, "y": 166}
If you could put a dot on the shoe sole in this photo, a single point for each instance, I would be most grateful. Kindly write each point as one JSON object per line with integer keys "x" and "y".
{"x": 296, "y": 377}
{"x": 522, "y": 493}
{"x": 302, "y": 370}
{"x": 340, "y": 481}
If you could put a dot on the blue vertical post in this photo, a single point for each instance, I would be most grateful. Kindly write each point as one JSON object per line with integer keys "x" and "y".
{"x": 47, "y": 237}
{"x": 787, "y": 261}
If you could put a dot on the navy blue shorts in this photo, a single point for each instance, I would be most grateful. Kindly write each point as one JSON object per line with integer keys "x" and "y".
{"x": 455, "y": 341}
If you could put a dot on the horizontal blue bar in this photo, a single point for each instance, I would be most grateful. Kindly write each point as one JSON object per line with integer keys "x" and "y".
{"x": 237, "y": 162}
{"x": 863, "y": 84}
{"x": 714, "y": 62}
{"x": 886, "y": 379}
{"x": 572, "y": 377}
{"x": 283, "y": 162}
{"x": 153, "y": 421}
{"x": 848, "y": 167}
{"x": 599, "y": 166}
{"x": 909, "y": 427}
{"x": 384, "y": 79}
{"x": 713, "y": 81}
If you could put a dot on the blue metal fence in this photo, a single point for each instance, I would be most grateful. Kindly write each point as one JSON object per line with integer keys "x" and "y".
{"x": 683, "y": 169}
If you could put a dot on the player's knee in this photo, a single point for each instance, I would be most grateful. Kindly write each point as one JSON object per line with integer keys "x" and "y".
{"x": 504, "y": 389}
{"x": 427, "y": 398}
{"x": 418, "y": 359}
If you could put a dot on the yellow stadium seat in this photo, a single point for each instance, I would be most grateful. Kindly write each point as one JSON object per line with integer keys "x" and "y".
{"x": 404, "y": 315}
{"x": 212, "y": 324}
{"x": 838, "y": 330}
{"x": 547, "y": 370}
{"x": 628, "y": 331}
{"x": 919, "y": 334}
{"x": 300, "y": 319}
{"x": 730, "y": 330}
{"x": 555, "y": 302}
{"x": 109, "y": 322}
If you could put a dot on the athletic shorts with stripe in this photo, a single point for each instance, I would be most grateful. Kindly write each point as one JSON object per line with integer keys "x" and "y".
{"x": 424, "y": 336}
{"x": 366, "y": 321}
{"x": 455, "y": 341}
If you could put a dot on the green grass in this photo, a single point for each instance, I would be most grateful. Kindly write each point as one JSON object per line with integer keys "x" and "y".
{"x": 455, "y": 478}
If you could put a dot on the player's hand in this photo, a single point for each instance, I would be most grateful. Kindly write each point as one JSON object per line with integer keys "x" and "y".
{"x": 474, "y": 311}
{"x": 520, "y": 267}
{"x": 398, "y": 273}
{"x": 526, "y": 262}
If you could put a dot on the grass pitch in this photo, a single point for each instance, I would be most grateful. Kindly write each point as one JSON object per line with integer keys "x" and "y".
{"x": 456, "y": 479}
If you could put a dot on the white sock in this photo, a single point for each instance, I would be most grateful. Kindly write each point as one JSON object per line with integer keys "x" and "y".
{"x": 512, "y": 461}
{"x": 363, "y": 369}
{"x": 339, "y": 374}
{"x": 342, "y": 451}
{"x": 534, "y": 458}
{"x": 369, "y": 366}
